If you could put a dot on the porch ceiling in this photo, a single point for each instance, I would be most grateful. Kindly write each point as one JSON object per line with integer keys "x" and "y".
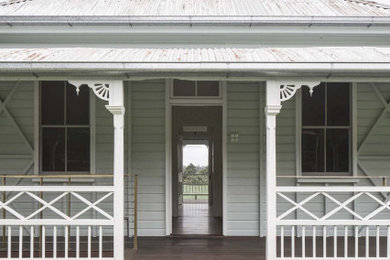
{"x": 258, "y": 61}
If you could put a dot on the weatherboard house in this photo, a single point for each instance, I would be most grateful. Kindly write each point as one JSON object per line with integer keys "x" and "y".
{"x": 98, "y": 100}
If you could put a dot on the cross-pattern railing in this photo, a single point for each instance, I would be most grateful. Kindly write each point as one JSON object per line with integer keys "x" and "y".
{"x": 39, "y": 224}
{"x": 342, "y": 231}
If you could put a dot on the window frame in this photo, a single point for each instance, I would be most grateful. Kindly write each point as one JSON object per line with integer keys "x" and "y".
{"x": 351, "y": 132}
{"x": 91, "y": 126}
{"x": 172, "y": 96}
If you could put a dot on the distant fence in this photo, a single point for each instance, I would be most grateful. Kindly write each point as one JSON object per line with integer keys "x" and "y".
{"x": 195, "y": 191}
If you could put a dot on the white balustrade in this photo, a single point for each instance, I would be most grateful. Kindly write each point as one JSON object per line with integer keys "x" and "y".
{"x": 53, "y": 230}
{"x": 356, "y": 224}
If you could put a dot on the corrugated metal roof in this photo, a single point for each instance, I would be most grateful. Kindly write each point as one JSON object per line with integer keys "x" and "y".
{"x": 192, "y": 8}
{"x": 198, "y": 55}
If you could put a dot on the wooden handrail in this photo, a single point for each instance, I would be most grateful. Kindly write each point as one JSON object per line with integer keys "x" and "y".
{"x": 59, "y": 176}
{"x": 332, "y": 177}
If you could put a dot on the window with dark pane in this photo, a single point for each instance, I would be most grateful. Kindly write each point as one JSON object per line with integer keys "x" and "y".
{"x": 207, "y": 88}
{"x": 65, "y": 129}
{"x": 326, "y": 129}
{"x": 78, "y": 149}
{"x": 313, "y": 150}
{"x": 187, "y": 88}
{"x": 338, "y": 104}
{"x": 53, "y": 149}
{"x": 184, "y": 88}
{"x": 77, "y": 106}
{"x": 52, "y": 103}
{"x": 313, "y": 106}
{"x": 337, "y": 150}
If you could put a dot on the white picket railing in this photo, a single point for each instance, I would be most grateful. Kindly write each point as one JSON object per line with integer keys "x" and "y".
{"x": 40, "y": 225}
{"x": 339, "y": 232}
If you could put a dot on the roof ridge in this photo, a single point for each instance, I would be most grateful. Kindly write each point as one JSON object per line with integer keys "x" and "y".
{"x": 370, "y": 3}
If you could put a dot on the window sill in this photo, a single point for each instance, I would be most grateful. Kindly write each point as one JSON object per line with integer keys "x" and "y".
{"x": 346, "y": 180}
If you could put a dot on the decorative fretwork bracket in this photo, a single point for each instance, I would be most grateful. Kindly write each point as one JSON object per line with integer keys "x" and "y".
{"x": 100, "y": 88}
{"x": 288, "y": 89}
{"x": 279, "y": 91}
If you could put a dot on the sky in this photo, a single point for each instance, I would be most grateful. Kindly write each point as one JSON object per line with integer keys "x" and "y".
{"x": 195, "y": 154}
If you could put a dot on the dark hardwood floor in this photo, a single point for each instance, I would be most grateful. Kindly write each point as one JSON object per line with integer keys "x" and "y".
{"x": 196, "y": 219}
{"x": 202, "y": 248}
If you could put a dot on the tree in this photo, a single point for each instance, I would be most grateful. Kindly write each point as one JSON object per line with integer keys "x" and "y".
{"x": 195, "y": 174}
{"x": 190, "y": 169}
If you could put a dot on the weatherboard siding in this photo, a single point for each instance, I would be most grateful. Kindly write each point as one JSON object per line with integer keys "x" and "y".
{"x": 243, "y": 159}
{"x": 21, "y": 107}
{"x": 148, "y": 153}
{"x": 374, "y": 154}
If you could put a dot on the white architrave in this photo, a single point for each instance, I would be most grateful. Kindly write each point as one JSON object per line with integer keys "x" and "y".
{"x": 112, "y": 91}
{"x": 276, "y": 92}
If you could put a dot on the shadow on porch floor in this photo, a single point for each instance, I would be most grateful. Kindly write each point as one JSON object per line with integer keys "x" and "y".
{"x": 198, "y": 248}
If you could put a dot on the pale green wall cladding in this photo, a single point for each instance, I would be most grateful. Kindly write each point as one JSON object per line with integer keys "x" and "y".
{"x": 21, "y": 107}
{"x": 148, "y": 153}
{"x": 243, "y": 117}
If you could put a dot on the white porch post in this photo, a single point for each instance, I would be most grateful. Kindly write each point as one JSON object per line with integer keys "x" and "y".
{"x": 272, "y": 108}
{"x": 277, "y": 92}
{"x": 112, "y": 91}
{"x": 116, "y": 107}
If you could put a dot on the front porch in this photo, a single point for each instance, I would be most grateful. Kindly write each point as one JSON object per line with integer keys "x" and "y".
{"x": 273, "y": 183}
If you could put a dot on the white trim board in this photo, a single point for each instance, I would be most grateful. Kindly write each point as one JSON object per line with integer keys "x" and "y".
{"x": 169, "y": 102}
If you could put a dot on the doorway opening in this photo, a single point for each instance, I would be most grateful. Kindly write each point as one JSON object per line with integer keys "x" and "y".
{"x": 195, "y": 174}
{"x": 197, "y": 170}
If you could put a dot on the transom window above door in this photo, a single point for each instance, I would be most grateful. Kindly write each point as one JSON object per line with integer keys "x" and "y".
{"x": 65, "y": 128}
{"x": 326, "y": 130}
{"x": 188, "y": 89}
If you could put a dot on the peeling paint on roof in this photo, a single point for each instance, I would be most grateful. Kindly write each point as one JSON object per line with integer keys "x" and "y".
{"x": 199, "y": 55}
{"x": 193, "y": 8}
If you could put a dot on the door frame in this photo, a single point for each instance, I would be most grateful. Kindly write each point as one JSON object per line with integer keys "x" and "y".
{"x": 169, "y": 103}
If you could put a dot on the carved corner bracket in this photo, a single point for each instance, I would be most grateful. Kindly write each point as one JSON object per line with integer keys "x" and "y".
{"x": 288, "y": 90}
{"x": 101, "y": 90}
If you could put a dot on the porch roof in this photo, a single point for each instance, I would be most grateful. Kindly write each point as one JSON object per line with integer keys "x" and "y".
{"x": 314, "y": 61}
{"x": 210, "y": 8}
{"x": 198, "y": 55}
